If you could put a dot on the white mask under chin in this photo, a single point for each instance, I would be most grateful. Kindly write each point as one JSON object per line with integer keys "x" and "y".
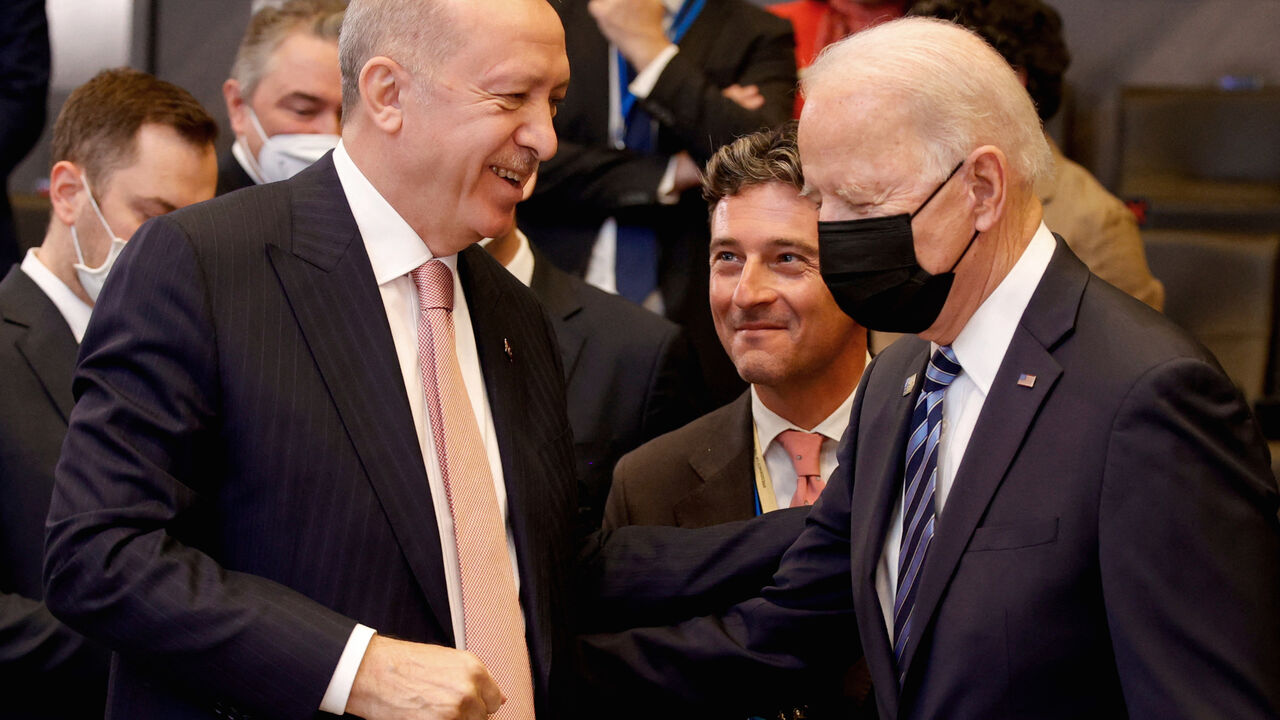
{"x": 91, "y": 279}
{"x": 283, "y": 156}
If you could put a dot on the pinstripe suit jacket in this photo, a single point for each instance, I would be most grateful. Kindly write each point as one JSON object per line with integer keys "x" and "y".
{"x": 242, "y": 481}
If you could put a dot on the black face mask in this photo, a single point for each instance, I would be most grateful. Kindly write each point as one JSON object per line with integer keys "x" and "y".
{"x": 870, "y": 267}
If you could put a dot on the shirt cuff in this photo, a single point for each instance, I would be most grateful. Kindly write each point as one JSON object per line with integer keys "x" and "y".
{"x": 667, "y": 194}
{"x": 344, "y": 676}
{"x": 643, "y": 83}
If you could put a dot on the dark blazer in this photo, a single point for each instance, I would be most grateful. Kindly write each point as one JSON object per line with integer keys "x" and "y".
{"x": 1110, "y": 547}
{"x": 629, "y": 376}
{"x": 242, "y": 482}
{"x": 24, "y": 92}
{"x": 47, "y": 670}
{"x": 588, "y": 180}
{"x": 693, "y": 477}
{"x": 231, "y": 176}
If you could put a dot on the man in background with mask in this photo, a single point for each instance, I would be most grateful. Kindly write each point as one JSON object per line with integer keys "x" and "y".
{"x": 284, "y": 96}
{"x": 1052, "y": 502}
{"x": 126, "y": 147}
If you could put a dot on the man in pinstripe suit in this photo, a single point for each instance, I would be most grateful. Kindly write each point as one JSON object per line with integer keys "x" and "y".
{"x": 249, "y": 502}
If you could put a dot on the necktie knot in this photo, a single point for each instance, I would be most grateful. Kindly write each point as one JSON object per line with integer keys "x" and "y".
{"x": 804, "y": 449}
{"x": 435, "y": 285}
{"x": 943, "y": 369}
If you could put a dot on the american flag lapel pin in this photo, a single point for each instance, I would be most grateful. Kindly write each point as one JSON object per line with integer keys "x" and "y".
{"x": 1026, "y": 381}
{"x": 506, "y": 348}
{"x": 908, "y": 386}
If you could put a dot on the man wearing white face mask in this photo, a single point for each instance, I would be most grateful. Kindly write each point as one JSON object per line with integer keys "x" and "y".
{"x": 126, "y": 147}
{"x": 284, "y": 96}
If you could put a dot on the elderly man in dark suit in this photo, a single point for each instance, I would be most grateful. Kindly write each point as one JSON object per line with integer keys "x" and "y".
{"x": 1052, "y": 502}
{"x": 658, "y": 86}
{"x": 319, "y": 459}
{"x": 125, "y": 146}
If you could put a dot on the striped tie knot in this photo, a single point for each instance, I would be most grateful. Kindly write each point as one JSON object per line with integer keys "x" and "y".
{"x": 943, "y": 369}
{"x": 435, "y": 285}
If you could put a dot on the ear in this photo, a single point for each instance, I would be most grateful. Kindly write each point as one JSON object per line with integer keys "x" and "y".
{"x": 383, "y": 83}
{"x": 988, "y": 185}
{"x": 235, "y": 107}
{"x": 66, "y": 192}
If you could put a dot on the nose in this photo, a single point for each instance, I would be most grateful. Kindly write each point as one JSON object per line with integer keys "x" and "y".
{"x": 755, "y": 285}
{"x": 537, "y": 133}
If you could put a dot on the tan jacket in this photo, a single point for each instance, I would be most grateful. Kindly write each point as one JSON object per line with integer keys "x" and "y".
{"x": 1099, "y": 229}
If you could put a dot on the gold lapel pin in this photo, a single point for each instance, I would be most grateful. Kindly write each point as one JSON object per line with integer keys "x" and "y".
{"x": 908, "y": 386}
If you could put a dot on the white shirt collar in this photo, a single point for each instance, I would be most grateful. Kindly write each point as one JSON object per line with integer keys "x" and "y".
{"x": 240, "y": 152}
{"x": 393, "y": 246}
{"x": 74, "y": 310}
{"x": 980, "y": 347}
{"x": 770, "y": 425}
{"x": 521, "y": 264}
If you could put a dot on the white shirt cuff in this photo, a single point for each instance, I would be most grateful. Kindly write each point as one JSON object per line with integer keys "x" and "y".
{"x": 643, "y": 83}
{"x": 667, "y": 194}
{"x": 344, "y": 676}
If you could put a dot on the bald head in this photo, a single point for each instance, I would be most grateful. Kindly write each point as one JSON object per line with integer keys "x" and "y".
{"x": 955, "y": 91}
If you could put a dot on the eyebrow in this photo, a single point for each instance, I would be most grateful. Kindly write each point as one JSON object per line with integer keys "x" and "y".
{"x": 297, "y": 95}
{"x": 778, "y": 243}
{"x": 150, "y": 203}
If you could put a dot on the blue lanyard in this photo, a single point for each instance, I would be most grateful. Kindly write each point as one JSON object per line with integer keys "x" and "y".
{"x": 684, "y": 17}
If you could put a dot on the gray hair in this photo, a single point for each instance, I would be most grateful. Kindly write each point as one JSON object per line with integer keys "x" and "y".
{"x": 271, "y": 25}
{"x": 418, "y": 34}
{"x": 958, "y": 91}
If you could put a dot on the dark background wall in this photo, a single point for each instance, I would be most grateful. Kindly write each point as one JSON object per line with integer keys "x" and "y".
{"x": 1113, "y": 43}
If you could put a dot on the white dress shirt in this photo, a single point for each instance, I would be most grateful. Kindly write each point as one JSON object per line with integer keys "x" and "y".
{"x": 602, "y": 267}
{"x": 782, "y": 472}
{"x": 980, "y": 348}
{"x": 394, "y": 251}
{"x": 74, "y": 310}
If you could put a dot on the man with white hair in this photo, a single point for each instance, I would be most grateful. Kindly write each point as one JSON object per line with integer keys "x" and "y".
{"x": 1052, "y": 502}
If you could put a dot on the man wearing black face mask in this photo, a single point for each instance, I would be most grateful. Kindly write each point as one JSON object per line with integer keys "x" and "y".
{"x": 1052, "y": 502}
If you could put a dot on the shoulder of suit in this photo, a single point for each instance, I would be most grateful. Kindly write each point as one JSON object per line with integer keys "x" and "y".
{"x": 620, "y": 317}
{"x": 678, "y": 444}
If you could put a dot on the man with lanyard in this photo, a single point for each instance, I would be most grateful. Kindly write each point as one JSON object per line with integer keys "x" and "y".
{"x": 775, "y": 446}
{"x": 659, "y": 85}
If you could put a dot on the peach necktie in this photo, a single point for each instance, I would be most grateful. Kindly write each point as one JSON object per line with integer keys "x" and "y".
{"x": 804, "y": 449}
{"x": 490, "y": 606}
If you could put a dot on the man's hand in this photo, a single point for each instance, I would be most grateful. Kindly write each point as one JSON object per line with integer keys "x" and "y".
{"x": 634, "y": 26}
{"x": 748, "y": 96}
{"x": 688, "y": 174}
{"x": 399, "y": 679}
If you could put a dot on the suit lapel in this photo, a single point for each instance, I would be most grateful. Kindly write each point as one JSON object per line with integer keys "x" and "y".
{"x": 878, "y": 469}
{"x": 326, "y": 275}
{"x": 47, "y": 344}
{"x": 726, "y": 471}
{"x": 1007, "y": 417}
{"x": 551, "y": 286}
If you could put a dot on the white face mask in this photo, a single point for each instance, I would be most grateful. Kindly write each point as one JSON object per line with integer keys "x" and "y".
{"x": 91, "y": 279}
{"x": 283, "y": 156}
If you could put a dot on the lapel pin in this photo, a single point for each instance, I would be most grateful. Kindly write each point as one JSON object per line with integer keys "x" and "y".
{"x": 908, "y": 386}
{"x": 506, "y": 348}
{"x": 1026, "y": 381}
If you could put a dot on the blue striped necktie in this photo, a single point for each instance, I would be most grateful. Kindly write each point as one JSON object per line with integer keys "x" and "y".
{"x": 917, "y": 497}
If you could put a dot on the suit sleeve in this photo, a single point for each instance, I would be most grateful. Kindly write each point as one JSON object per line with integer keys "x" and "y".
{"x": 801, "y": 628}
{"x": 1190, "y": 550}
{"x": 597, "y": 181}
{"x": 33, "y": 643}
{"x": 672, "y": 398}
{"x": 141, "y": 453}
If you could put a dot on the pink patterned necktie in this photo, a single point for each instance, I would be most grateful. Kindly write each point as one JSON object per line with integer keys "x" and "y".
{"x": 490, "y": 606}
{"x": 804, "y": 449}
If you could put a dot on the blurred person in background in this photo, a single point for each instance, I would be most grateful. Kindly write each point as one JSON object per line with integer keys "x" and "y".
{"x": 126, "y": 147}
{"x": 284, "y": 96}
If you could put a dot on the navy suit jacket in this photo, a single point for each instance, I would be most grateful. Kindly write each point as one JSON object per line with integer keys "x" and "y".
{"x": 47, "y": 670}
{"x": 242, "y": 482}
{"x": 629, "y": 377}
{"x": 1110, "y": 547}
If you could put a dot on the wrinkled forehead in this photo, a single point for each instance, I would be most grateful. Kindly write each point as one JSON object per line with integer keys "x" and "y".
{"x": 857, "y": 139}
